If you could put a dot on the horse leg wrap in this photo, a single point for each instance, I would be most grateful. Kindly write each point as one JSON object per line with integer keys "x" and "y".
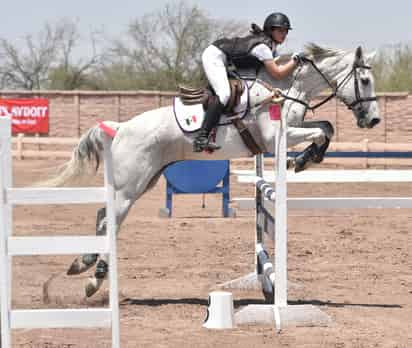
{"x": 89, "y": 259}
{"x": 101, "y": 269}
{"x": 328, "y": 131}
{"x": 320, "y": 151}
{"x": 305, "y": 157}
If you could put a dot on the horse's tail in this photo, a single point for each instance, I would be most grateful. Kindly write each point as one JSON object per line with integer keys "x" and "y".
{"x": 86, "y": 153}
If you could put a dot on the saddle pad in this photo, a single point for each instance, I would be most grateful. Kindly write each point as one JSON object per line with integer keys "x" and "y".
{"x": 190, "y": 117}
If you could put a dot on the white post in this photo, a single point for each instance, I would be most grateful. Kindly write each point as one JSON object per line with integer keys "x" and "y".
{"x": 281, "y": 239}
{"x": 5, "y": 228}
{"x": 112, "y": 232}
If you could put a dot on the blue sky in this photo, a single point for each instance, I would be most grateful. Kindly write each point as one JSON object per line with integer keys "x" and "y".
{"x": 335, "y": 23}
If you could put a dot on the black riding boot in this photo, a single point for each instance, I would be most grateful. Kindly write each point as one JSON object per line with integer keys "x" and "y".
{"x": 212, "y": 116}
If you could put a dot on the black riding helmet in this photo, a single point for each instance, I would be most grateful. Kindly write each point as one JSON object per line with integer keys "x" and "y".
{"x": 276, "y": 20}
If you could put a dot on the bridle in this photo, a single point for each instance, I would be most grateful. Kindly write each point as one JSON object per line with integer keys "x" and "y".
{"x": 335, "y": 88}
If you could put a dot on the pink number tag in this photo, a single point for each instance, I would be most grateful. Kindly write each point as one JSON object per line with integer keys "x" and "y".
{"x": 274, "y": 112}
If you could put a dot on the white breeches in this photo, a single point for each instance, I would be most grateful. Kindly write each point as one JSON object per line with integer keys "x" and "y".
{"x": 214, "y": 65}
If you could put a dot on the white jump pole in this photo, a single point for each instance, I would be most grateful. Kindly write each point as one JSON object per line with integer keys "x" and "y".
{"x": 111, "y": 230}
{"x": 281, "y": 238}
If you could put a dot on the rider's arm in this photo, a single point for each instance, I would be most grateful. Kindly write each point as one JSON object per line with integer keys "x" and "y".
{"x": 279, "y": 71}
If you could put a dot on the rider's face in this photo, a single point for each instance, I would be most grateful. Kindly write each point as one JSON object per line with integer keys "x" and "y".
{"x": 279, "y": 34}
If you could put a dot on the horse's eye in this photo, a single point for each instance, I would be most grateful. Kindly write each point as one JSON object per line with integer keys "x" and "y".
{"x": 365, "y": 81}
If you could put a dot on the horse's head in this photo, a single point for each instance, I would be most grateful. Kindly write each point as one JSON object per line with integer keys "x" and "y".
{"x": 356, "y": 89}
{"x": 347, "y": 74}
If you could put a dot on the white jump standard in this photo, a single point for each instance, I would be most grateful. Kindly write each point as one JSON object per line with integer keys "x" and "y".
{"x": 274, "y": 283}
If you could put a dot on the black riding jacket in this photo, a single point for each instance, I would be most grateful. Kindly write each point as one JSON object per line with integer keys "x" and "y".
{"x": 238, "y": 50}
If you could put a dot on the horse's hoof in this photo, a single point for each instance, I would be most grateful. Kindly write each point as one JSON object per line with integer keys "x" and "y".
{"x": 302, "y": 161}
{"x": 300, "y": 165}
{"x": 93, "y": 285}
{"x": 81, "y": 264}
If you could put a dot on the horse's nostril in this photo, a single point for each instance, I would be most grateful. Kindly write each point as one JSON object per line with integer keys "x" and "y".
{"x": 374, "y": 122}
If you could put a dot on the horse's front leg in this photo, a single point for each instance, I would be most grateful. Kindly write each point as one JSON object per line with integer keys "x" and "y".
{"x": 317, "y": 132}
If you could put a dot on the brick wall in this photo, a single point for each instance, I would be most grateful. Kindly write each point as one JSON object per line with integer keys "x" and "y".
{"x": 73, "y": 112}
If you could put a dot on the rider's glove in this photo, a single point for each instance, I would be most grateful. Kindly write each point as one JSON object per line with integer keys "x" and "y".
{"x": 299, "y": 58}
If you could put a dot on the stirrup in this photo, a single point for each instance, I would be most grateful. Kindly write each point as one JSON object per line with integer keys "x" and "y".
{"x": 211, "y": 146}
{"x": 202, "y": 143}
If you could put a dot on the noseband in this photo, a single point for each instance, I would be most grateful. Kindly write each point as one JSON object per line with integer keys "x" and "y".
{"x": 335, "y": 88}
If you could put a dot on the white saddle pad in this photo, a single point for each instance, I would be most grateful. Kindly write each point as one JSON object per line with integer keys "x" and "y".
{"x": 190, "y": 117}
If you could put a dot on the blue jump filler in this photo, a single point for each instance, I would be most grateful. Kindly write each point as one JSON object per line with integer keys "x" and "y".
{"x": 198, "y": 177}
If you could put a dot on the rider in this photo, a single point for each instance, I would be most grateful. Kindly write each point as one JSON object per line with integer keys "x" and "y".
{"x": 250, "y": 52}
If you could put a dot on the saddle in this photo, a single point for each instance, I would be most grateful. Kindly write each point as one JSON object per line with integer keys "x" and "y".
{"x": 192, "y": 96}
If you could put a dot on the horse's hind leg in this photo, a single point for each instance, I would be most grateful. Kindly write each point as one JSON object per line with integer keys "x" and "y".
{"x": 123, "y": 205}
{"x": 83, "y": 263}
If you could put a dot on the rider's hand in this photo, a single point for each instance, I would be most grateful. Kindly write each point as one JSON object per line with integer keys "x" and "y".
{"x": 299, "y": 58}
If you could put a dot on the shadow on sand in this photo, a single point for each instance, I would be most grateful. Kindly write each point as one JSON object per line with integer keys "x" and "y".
{"x": 153, "y": 302}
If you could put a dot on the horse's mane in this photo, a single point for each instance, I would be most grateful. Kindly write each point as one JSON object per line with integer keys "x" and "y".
{"x": 317, "y": 52}
{"x": 313, "y": 51}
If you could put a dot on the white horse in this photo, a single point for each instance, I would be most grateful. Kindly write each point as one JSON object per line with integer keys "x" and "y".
{"x": 145, "y": 145}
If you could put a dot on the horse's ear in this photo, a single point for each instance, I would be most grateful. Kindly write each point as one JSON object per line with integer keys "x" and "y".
{"x": 370, "y": 57}
{"x": 359, "y": 53}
